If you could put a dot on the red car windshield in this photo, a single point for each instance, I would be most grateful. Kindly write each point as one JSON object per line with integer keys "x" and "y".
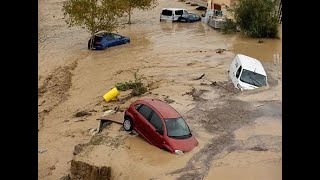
{"x": 177, "y": 128}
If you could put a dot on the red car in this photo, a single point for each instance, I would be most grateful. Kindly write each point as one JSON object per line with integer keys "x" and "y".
{"x": 160, "y": 125}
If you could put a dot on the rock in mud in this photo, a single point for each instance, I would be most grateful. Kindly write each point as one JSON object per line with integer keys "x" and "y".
{"x": 81, "y": 170}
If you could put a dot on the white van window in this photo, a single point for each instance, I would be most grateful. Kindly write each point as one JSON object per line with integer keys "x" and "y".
{"x": 166, "y": 12}
{"x": 253, "y": 78}
{"x": 179, "y": 12}
{"x": 238, "y": 72}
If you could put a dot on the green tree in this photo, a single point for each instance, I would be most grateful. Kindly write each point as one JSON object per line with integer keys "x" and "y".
{"x": 256, "y": 18}
{"x": 139, "y": 4}
{"x": 94, "y": 15}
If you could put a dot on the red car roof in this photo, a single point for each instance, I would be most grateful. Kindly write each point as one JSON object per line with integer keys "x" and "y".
{"x": 163, "y": 108}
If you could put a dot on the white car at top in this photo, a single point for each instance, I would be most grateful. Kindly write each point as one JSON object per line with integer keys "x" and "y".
{"x": 247, "y": 73}
{"x": 173, "y": 14}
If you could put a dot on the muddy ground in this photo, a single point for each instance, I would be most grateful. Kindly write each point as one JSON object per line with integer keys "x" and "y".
{"x": 239, "y": 132}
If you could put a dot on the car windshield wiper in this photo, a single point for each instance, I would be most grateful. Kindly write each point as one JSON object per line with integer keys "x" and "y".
{"x": 182, "y": 136}
{"x": 255, "y": 81}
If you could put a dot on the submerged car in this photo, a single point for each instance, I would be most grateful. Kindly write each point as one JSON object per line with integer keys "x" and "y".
{"x": 178, "y": 15}
{"x": 172, "y": 14}
{"x": 191, "y": 17}
{"x": 160, "y": 124}
{"x": 103, "y": 40}
{"x": 247, "y": 73}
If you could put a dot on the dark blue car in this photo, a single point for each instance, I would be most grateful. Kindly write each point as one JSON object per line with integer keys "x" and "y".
{"x": 103, "y": 40}
{"x": 190, "y": 17}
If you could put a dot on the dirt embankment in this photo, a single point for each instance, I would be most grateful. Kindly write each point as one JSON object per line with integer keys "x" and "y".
{"x": 54, "y": 91}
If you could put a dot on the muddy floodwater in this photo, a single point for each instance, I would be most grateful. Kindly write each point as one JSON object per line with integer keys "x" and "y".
{"x": 239, "y": 132}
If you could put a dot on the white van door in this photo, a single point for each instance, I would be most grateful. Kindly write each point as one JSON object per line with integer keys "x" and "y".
{"x": 166, "y": 15}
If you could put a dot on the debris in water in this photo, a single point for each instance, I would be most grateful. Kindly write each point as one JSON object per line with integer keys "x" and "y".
{"x": 53, "y": 167}
{"x": 42, "y": 150}
{"x": 258, "y": 148}
{"x": 93, "y": 131}
{"x": 66, "y": 177}
{"x": 78, "y": 120}
{"x": 220, "y": 50}
{"x": 109, "y": 112}
{"x": 201, "y": 8}
{"x": 82, "y": 113}
{"x": 199, "y": 77}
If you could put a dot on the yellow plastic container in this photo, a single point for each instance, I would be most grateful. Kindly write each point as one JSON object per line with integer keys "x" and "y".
{"x": 111, "y": 95}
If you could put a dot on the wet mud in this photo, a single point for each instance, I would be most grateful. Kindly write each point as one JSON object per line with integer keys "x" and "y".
{"x": 235, "y": 129}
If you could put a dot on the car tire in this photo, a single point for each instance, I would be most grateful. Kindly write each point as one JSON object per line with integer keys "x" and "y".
{"x": 89, "y": 43}
{"x": 127, "y": 124}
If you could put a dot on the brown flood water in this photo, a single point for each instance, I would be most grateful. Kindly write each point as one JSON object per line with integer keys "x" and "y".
{"x": 170, "y": 56}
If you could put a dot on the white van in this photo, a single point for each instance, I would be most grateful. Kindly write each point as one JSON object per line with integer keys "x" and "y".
{"x": 247, "y": 73}
{"x": 173, "y": 14}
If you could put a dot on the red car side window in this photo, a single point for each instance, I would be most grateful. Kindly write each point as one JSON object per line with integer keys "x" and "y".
{"x": 145, "y": 111}
{"x": 155, "y": 121}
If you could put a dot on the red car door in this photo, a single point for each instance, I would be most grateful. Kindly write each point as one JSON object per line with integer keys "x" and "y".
{"x": 155, "y": 130}
{"x": 142, "y": 118}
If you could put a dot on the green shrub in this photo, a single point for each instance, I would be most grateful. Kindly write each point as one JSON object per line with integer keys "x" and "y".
{"x": 257, "y": 18}
{"x": 229, "y": 26}
{"x": 137, "y": 86}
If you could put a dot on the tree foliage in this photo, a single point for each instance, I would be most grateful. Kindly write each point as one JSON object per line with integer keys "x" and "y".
{"x": 256, "y": 18}
{"x": 94, "y": 15}
{"x": 139, "y": 4}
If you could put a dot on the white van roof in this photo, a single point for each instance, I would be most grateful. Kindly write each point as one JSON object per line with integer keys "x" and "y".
{"x": 251, "y": 64}
{"x": 173, "y": 9}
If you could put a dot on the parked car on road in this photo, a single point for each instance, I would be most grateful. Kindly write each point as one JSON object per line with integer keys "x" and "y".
{"x": 247, "y": 73}
{"x": 104, "y": 40}
{"x": 178, "y": 15}
{"x": 172, "y": 14}
{"x": 191, "y": 17}
{"x": 160, "y": 124}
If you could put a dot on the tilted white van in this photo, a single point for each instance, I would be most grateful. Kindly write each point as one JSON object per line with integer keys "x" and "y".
{"x": 247, "y": 73}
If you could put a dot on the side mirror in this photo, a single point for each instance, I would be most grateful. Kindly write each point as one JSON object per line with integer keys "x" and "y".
{"x": 159, "y": 131}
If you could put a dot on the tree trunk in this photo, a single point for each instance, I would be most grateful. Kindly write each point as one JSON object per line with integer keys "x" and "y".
{"x": 129, "y": 12}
